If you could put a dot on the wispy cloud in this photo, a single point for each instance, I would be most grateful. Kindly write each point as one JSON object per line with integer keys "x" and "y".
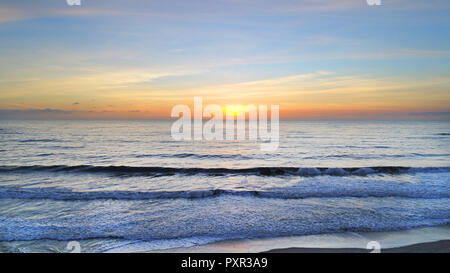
{"x": 113, "y": 58}
{"x": 181, "y": 9}
{"x": 9, "y": 14}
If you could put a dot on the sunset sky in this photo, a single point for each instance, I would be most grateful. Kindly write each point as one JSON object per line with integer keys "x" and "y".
{"x": 317, "y": 59}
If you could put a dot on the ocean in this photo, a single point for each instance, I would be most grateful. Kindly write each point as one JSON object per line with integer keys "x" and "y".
{"x": 127, "y": 185}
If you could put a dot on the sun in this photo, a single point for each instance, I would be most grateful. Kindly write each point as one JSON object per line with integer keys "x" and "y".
{"x": 234, "y": 109}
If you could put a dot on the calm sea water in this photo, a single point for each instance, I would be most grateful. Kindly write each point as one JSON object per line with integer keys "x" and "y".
{"x": 114, "y": 185}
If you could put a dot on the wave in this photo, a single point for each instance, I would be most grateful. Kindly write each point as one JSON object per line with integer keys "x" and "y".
{"x": 62, "y": 194}
{"x": 142, "y": 242}
{"x": 263, "y": 171}
{"x": 197, "y": 156}
{"x": 259, "y": 219}
{"x": 45, "y": 155}
{"x": 9, "y": 131}
{"x": 380, "y": 156}
{"x": 40, "y": 140}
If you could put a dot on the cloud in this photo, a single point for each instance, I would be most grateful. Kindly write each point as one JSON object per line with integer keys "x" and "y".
{"x": 33, "y": 113}
{"x": 49, "y": 113}
{"x": 75, "y": 103}
{"x": 15, "y": 12}
{"x": 9, "y": 14}
{"x": 305, "y": 114}
{"x": 181, "y": 9}
{"x": 430, "y": 113}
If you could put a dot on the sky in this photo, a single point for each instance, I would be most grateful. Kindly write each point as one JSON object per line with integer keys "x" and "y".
{"x": 316, "y": 59}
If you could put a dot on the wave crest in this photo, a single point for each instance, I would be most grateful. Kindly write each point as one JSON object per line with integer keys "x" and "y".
{"x": 293, "y": 193}
{"x": 263, "y": 171}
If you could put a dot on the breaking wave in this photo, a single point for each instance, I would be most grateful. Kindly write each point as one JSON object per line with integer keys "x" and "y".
{"x": 388, "y": 190}
{"x": 263, "y": 171}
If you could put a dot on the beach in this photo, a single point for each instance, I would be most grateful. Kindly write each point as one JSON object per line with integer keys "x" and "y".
{"x": 417, "y": 240}
{"x": 433, "y": 247}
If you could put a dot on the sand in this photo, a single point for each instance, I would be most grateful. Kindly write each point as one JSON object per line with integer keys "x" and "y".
{"x": 432, "y": 247}
{"x": 425, "y": 239}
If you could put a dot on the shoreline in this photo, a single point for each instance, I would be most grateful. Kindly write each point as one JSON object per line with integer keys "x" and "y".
{"x": 430, "y": 247}
{"x": 433, "y": 239}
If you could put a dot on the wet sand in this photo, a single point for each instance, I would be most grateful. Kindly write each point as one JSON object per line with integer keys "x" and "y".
{"x": 432, "y": 247}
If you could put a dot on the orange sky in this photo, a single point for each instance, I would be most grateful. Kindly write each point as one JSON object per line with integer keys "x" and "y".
{"x": 309, "y": 57}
